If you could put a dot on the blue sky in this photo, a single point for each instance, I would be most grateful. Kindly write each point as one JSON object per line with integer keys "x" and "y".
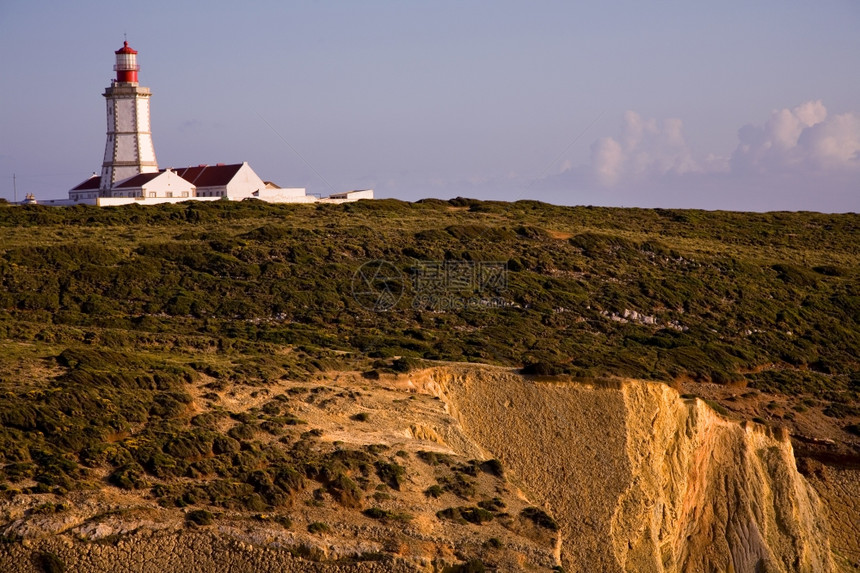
{"x": 723, "y": 105}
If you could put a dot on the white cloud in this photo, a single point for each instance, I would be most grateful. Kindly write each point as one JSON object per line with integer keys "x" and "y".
{"x": 802, "y": 158}
{"x": 801, "y": 139}
{"x": 607, "y": 160}
{"x": 644, "y": 149}
{"x": 804, "y": 140}
{"x": 834, "y": 143}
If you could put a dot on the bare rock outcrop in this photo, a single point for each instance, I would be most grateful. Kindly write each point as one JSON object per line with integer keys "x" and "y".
{"x": 641, "y": 479}
{"x": 175, "y": 551}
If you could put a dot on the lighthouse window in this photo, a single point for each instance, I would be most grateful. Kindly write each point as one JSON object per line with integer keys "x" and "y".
{"x": 125, "y": 61}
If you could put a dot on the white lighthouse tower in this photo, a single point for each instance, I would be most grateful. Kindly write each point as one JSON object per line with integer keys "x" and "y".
{"x": 129, "y": 148}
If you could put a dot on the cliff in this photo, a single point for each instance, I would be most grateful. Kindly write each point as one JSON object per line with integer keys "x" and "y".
{"x": 636, "y": 477}
{"x": 642, "y": 480}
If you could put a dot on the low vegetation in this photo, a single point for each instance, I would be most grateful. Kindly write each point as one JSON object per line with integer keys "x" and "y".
{"x": 111, "y": 318}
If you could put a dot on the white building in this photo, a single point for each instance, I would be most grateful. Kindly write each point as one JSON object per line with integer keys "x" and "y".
{"x": 130, "y": 171}
{"x": 235, "y": 182}
{"x": 162, "y": 185}
{"x": 350, "y": 196}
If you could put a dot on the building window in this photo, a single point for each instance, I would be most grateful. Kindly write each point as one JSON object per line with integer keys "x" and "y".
{"x": 185, "y": 193}
{"x": 152, "y": 193}
{"x": 169, "y": 194}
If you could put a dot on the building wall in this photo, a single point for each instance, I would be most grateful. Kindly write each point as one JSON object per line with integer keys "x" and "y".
{"x": 128, "y": 149}
{"x": 360, "y": 194}
{"x": 115, "y": 201}
{"x": 286, "y": 195}
{"x": 349, "y": 196}
{"x": 145, "y": 147}
{"x": 125, "y": 114}
{"x": 244, "y": 183}
{"x": 167, "y": 185}
{"x": 78, "y": 196}
{"x": 216, "y": 192}
{"x": 143, "y": 117}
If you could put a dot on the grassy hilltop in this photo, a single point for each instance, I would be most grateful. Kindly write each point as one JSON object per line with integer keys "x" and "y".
{"x": 109, "y": 316}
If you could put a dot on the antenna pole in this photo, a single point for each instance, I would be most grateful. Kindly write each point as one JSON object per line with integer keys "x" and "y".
{"x": 14, "y": 188}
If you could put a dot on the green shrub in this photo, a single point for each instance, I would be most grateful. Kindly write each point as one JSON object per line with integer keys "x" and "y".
{"x": 200, "y": 517}
{"x": 241, "y": 432}
{"x": 405, "y": 364}
{"x": 385, "y": 515}
{"x": 197, "y": 443}
{"x": 495, "y": 504}
{"x": 539, "y": 518}
{"x": 493, "y": 467}
{"x": 390, "y": 473}
{"x": 128, "y": 477}
{"x": 459, "y": 485}
{"x": 434, "y": 458}
{"x": 434, "y": 491}
{"x": 839, "y": 411}
{"x": 345, "y": 491}
{"x": 466, "y": 514}
{"x": 225, "y": 445}
{"x": 318, "y": 528}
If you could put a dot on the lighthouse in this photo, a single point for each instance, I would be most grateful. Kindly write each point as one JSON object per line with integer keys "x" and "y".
{"x": 129, "y": 150}
{"x": 130, "y": 173}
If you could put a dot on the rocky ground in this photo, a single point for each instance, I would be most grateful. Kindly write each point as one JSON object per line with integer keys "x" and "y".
{"x": 611, "y": 476}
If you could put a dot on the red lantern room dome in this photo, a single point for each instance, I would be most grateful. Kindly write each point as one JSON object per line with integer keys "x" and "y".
{"x": 126, "y": 64}
{"x": 126, "y": 49}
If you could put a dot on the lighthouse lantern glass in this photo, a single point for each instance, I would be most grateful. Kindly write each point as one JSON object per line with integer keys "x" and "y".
{"x": 126, "y": 62}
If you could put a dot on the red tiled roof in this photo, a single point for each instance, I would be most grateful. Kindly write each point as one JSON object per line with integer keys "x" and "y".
{"x": 137, "y": 180}
{"x": 91, "y": 183}
{"x": 209, "y": 175}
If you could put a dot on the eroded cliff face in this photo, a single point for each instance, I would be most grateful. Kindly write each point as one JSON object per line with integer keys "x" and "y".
{"x": 641, "y": 479}
{"x": 637, "y": 478}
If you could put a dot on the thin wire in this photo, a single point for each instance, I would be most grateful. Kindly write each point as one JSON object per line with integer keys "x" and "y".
{"x": 275, "y": 131}
{"x": 565, "y": 150}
